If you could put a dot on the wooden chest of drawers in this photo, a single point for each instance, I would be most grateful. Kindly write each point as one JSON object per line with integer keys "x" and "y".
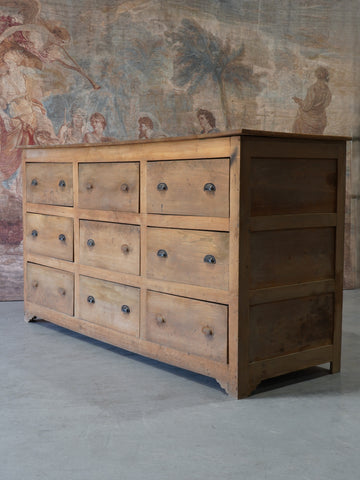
{"x": 221, "y": 254}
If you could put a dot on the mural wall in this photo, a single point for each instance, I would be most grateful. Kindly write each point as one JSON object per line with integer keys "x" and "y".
{"x": 98, "y": 71}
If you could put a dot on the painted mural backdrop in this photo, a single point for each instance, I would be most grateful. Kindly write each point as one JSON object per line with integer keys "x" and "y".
{"x": 98, "y": 71}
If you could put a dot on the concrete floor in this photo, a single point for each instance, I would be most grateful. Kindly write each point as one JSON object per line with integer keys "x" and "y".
{"x": 75, "y": 409}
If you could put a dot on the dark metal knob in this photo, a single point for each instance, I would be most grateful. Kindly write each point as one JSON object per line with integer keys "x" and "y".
{"x": 125, "y": 249}
{"x": 209, "y": 259}
{"x": 90, "y": 242}
{"x": 35, "y": 284}
{"x": 125, "y": 309}
{"x": 162, "y": 253}
{"x": 124, "y": 187}
{"x": 34, "y": 233}
{"x": 62, "y": 183}
{"x": 209, "y": 187}
{"x": 62, "y": 237}
{"x": 207, "y": 331}
{"x": 90, "y": 299}
{"x": 34, "y": 182}
{"x": 160, "y": 320}
{"x": 162, "y": 186}
{"x": 62, "y": 291}
{"x": 89, "y": 186}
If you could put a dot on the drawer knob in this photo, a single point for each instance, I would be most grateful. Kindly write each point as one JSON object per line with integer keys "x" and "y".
{"x": 125, "y": 309}
{"x": 162, "y": 186}
{"x": 62, "y": 183}
{"x": 90, "y": 299}
{"x": 209, "y": 259}
{"x": 62, "y": 237}
{"x": 62, "y": 291}
{"x": 89, "y": 186}
{"x": 124, "y": 187}
{"x": 209, "y": 187}
{"x": 162, "y": 253}
{"x": 35, "y": 284}
{"x": 34, "y": 182}
{"x": 125, "y": 249}
{"x": 90, "y": 242}
{"x": 34, "y": 233}
{"x": 207, "y": 331}
{"x": 160, "y": 320}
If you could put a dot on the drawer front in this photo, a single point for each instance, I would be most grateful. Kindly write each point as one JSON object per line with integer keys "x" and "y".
{"x": 51, "y": 288}
{"x": 50, "y": 235}
{"x": 189, "y": 187}
{"x": 188, "y": 256}
{"x": 112, "y": 246}
{"x": 49, "y": 183}
{"x": 110, "y": 305}
{"x": 191, "y": 326}
{"x": 109, "y": 186}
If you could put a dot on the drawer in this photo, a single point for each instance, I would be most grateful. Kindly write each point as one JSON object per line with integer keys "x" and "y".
{"x": 49, "y": 183}
{"x": 188, "y": 325}
{"x": 189, "y": 187}
{"x": 50, "y": 235}
{"x": 50, "y": 287}
{"x": 112, "y": 246}
{"x": 188, "y": 256}
{"x": 109, "y": 304}
{"x": 109, "y": 186}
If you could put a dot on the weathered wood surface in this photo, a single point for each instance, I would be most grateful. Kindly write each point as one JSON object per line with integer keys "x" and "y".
{"x": 269, "y": 300}
{"x": 50, "y": 235}
{"x": 111, "y": 305}
{"x": 184, "y": 186}
{"x": 180, "y": 256}
{"x": 107, "y": 186}
{"x": 50, "y": 184}
{"x": 187, "y": 325}
{"x": 110, "y": 246}
{"x": 51, "y": 288}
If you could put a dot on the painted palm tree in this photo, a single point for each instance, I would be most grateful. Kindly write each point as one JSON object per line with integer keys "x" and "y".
{"x": 200, "y": 54}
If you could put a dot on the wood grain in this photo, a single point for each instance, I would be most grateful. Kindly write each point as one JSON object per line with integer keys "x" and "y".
{"x": 280, "y": 328}
{"x": 185, "y": 254}
{"x": 271, "y": 301}
{"x": 109, "y": 186}
{"x": 44, "y": 180}
{"x": 109, "y": 299}
{"x": 43, "y": 233}
{"x": 110, "y": 246}
{"x": 285, "y": 257}
{"x": 185, "y": 182}
{"x": 292, "y": 186}
{"x": 50, "y": 287}
{"x": 187, "y": 325}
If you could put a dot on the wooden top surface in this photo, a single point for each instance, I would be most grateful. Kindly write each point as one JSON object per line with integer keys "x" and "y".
{"x": 229, "y": 133}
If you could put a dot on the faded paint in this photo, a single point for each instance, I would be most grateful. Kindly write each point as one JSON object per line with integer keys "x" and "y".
{"x": 249, "y": 63}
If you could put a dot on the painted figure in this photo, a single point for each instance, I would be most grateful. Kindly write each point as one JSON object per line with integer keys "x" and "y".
{"x": 21, "y": 117}
{"x": 11, "y": 135}
{"x": 74, "y": 131}
{"x": 207, "y": 121}
{"x": 27, "y": 113}
{"x": 311, "y": 116}
{"x": 42, "y": 40}
{"x": 146, "y": 129}
{"x": 98, "y": 123}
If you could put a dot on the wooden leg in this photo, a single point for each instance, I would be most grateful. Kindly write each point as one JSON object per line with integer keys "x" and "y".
{"x": 238, "y": 391}
{"x": 335, "y": 366}
{"x": 28, "y": 317}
